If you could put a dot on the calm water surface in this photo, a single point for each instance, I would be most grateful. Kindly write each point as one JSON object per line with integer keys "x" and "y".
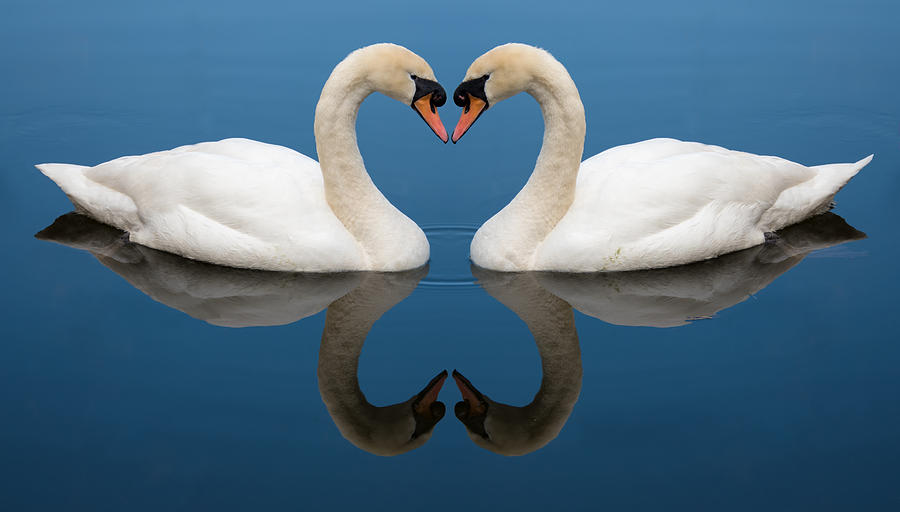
{"x": 766, "y": 380}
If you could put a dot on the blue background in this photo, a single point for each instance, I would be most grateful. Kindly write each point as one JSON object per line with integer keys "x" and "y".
{"x": 111, "y": 401}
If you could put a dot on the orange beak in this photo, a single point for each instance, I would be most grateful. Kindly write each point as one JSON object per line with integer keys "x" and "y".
{"x": 426, "y": 109}
{"x": 470, "y": 114}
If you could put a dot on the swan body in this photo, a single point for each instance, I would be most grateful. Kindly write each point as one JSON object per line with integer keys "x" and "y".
{"x": 656, "y": 203}
{"x": 235, "y": 202}
{"x": 664, "y": 202}
{"x": 248, "y": 204}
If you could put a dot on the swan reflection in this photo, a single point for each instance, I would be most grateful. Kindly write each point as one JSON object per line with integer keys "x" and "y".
{"x": 355, "y": 301}
{"x": 510, "y": 430}
{"x": 388, "y": 430}
{"x": 660, "y": 298}
{"x": 230, "y": 297}
{"x": 674, "y": 296}
{"x": 241, "y": 297}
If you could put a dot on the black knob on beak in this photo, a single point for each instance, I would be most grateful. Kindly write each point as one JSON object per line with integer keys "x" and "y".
{"x": 474, "y": 87}
{"x": 460, "y": 97}
{"x": 424, "y": 87}
{"x": 438, "y": 97}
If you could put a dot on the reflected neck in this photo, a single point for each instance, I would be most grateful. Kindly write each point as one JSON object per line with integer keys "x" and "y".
{"x": 552, "y": 324}
{"x": 520, "y": 430}
{"x": 378, "y": 430}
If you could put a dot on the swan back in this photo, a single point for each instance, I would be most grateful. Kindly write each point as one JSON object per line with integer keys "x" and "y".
{"x": 234, "y": 202}
{"x": 664, "y": 202}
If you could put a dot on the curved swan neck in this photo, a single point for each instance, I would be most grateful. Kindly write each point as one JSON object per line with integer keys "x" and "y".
{"x": 349, "y": 189}
{"x": 550, "y": 190}
{"x": 564, "y": 128}
{"x": 335, "y": 132}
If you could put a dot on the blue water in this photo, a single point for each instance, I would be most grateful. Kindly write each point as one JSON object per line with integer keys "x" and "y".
{"x": 788, "y": 400}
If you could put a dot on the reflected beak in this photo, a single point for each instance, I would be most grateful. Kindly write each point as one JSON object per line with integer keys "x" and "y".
{"x": 477, "y": 406}
{"x": 473, "y": 109}
{"x": 423, "y": 403}
{"x": 425, "y": 107}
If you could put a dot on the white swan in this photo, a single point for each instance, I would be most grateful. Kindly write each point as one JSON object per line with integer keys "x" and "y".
{"x": 243, "y": 203}
{"x": 651, "y": 204}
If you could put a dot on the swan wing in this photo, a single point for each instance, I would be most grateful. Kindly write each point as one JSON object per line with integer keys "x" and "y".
{"x": 234, "y": 202}
{"x": 664, "y": 202}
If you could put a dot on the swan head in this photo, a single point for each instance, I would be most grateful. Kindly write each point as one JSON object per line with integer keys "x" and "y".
{"x": 402, "y": 75}
{"x": 505, "y": 429}
{"x": 392, "y": 429}
{"x": 497, "y": 75}
{"x": 408, "y": 425}
{"x": 491, "y": 425}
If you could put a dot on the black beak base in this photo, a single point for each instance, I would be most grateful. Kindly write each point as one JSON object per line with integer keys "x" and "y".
{"x": 424, "y": 87}
{"x": 475, "y": 87}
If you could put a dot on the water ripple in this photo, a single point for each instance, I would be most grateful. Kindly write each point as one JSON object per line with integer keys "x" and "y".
{"x": 449, "y": 264}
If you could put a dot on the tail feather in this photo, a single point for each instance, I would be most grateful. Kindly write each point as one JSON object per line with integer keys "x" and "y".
{"x": 833, "y": 177}
{"x": 57, "y": 172}
{"x": 812, "y": 197}
{"x": 840, "y": 174}
{"x": 90, "y": 198}
{"x": 69, "y": 177}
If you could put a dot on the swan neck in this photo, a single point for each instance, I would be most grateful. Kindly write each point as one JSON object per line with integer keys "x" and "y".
{"x": 546, "y": 197}
{"x": 349, "y": 190}
{"x": 552, "y": 183}
{"x": 335, "y": 132}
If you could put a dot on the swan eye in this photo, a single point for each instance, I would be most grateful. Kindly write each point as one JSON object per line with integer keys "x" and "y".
{"x": 414, "y": 77}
